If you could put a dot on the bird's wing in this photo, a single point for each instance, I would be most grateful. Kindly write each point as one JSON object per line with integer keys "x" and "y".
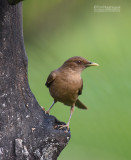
{"x": 80, "y": 90}
{"x": 50, "y": 79}
{"x": 80, "y": 105}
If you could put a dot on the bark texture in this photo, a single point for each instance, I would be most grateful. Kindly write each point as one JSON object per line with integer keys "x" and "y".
{"x": 13, "y": 2}
{"x": 26, "y": 133}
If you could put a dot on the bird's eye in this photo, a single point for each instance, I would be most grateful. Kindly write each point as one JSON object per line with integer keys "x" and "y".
{"x": 78, "y": 62}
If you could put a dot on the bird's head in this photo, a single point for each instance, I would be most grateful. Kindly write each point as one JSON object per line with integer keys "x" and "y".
{"x": 78, "y": 63}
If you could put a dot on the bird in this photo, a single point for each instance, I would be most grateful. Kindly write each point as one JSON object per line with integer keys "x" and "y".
{"x": 65, "y": 84}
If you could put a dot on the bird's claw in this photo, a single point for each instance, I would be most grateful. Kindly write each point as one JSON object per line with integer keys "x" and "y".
{"x": 43, "y": 108}
{"x": 47, "y": 112}
{"x": 64, "y": 126}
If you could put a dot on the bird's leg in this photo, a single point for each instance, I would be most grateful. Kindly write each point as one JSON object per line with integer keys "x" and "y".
{"x": 47, "y": 112}
{"x": 67, "y": 125}
{"x": 71, "y": 112}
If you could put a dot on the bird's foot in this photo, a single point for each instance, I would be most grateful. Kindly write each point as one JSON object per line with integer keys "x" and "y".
{"x": 46, "y": 112}
{"x": 64, "y": 126}
{"x": 43, "y": 108}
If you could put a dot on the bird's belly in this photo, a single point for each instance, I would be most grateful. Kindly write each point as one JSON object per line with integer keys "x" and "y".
{"x": 65, "y": 91}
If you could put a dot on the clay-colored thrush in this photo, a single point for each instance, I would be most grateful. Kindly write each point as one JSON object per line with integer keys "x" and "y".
{"x": 65, "y": 83}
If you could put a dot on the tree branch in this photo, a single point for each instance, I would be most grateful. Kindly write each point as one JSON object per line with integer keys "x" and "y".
{"x": 14, "y": 2}
{"x": 26, "y": 132}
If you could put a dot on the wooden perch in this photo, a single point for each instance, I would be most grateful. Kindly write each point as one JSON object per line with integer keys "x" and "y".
{"x": 26, "y": 132}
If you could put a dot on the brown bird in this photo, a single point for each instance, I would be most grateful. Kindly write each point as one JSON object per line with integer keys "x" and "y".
{"x": 65, "y": 83}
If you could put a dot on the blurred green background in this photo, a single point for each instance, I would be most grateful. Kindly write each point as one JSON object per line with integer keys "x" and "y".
{"x": 57, "y": 30}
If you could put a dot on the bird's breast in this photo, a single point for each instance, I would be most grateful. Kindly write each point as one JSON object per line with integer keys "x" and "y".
{"x": 65, "y": 88}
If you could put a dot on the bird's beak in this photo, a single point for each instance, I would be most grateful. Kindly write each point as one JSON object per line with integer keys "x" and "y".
{"x": 92, "y": 64}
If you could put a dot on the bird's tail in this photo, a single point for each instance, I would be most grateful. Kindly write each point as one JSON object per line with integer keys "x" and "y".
{"x": 80, "y": 105}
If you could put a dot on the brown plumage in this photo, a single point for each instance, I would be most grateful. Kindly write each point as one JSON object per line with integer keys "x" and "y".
{"x": 65, "y": 83}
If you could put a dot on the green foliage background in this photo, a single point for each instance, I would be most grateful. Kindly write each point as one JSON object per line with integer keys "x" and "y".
{"x": 57, "y": 30}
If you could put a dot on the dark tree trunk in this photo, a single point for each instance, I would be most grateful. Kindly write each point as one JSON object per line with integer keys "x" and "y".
{"x": 26, "y": 133}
